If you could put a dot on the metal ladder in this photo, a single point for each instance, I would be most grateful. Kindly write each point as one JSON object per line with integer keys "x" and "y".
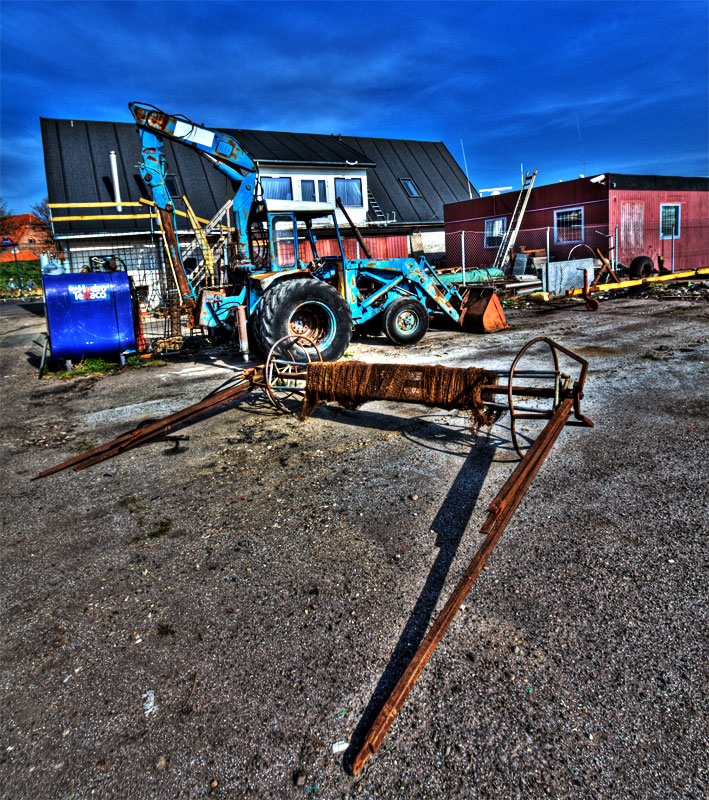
{"x": 374, "y": 206}
{"x": 510, "y": 236}
{"x": 198, "y": 275}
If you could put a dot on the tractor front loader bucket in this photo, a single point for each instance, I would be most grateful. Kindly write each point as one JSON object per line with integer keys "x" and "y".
{"x": 481, "y": 311}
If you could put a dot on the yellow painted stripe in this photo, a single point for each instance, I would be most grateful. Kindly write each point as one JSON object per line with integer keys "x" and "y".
{"x": 607, "y": 287}
{"x": 151, "y": 203}
{"x": 105, "y": 216}
{"x": 128, "y": 203}
{"x": 133, "y": 203}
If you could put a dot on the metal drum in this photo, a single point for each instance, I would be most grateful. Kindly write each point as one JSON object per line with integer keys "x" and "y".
{"x": 89, "y": 314}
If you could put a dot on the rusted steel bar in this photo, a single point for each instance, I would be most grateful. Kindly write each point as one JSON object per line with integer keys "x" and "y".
{"x": 154, "y": 429}
{"x": 355, "y": 229}
{"x": 506, "y": 503}
{"x": 523, "y": 391}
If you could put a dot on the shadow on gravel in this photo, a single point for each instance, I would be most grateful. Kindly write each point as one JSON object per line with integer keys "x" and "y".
{"x": 450, "y": 524}
{"x": 36, "y": 308}
{"x": 424, "y": 430}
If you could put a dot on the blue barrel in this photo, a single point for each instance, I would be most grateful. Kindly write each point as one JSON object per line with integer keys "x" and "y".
{"x": 89, "y": 314}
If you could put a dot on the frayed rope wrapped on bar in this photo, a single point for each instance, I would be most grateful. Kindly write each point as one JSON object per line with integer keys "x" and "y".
{"x": 352, "y": 383}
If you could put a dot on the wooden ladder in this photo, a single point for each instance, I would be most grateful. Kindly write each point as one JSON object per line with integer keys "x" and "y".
{"x": 510, "y": 236}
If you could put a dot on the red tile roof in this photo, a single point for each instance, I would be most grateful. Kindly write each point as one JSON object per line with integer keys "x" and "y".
{"x": 22, "y": 255}
{"x": 14, "y": 226}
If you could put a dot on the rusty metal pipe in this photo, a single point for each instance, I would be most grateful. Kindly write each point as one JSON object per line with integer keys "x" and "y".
{"x": 519, "y": 475}
{"x": 241, "y": 332}
{"x": 524, "y": 391}
{"x": 512, "y": 494}
{"x": 155, "y": 428}
{"x": 355, "y": 229}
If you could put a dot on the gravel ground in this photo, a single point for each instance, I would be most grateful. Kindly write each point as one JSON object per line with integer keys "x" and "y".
{"x": 209, "y": 622}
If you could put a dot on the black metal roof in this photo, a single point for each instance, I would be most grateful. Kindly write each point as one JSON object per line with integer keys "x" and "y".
{"x": 658, "y": 183}
{"x": 76, "y": 155}
{"x": 276, "y": 147}
{"x": 430, "y": 165}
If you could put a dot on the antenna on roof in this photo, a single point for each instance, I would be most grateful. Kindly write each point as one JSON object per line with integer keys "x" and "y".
{"x": 470, "y": 188}
{"x": 583, "y": 157}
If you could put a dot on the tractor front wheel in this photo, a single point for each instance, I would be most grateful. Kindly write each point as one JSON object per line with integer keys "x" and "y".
{"x": 304, "y": 307}
{"x": 405, "y": 321}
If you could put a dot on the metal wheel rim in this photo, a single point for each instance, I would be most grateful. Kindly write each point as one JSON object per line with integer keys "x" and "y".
{"x": 284, "y": 373}
{"x": 407, "y": 321}
{"x": 510, "y": 380}
{"x": 315, "y": 322}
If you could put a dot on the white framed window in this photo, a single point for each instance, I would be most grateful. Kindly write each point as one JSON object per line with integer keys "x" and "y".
{"x": 494, "y": 231}
{"x": 277, "y": 188}
{"x": 349, "y": 190}
{"x": 568, "y": 225}
{"x": 670, "y": 220}
{"x": 322, "y": 192}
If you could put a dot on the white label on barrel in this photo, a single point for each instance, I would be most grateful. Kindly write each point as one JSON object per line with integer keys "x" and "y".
{"x": 83, "y": 292}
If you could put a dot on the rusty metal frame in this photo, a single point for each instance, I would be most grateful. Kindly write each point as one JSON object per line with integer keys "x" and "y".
{"x": 150, "y": 430}
{"x": 500, "y": 512}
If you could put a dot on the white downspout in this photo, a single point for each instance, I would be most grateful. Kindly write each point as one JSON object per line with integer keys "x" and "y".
{"x": 114, "y": 176}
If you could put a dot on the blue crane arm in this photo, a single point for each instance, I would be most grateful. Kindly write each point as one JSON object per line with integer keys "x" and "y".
{"x": 221, "y": 150}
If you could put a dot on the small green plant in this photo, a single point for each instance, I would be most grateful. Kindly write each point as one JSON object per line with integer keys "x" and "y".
{"x": 161, "y": 529}
{"x": 99, "y": 366}
{"x": 128, "y": 501}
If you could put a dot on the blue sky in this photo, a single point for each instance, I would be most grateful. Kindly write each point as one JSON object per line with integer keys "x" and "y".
{"x": 509, "y": 79}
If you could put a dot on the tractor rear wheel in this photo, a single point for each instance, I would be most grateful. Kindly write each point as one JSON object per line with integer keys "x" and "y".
{"x": 304, "y": 307}
{"x": 405, "y": 321}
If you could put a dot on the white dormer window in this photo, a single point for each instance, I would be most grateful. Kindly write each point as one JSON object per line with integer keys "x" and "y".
{"x": 307, "y": 191}
{"x": 277, "y": 188}
{"x": 349, "y": 190}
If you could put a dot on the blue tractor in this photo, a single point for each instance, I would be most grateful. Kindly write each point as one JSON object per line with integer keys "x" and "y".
{"x": 281, "y": 290}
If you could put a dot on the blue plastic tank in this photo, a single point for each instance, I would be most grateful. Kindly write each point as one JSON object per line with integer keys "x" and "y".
{"x": 89, "y": 314}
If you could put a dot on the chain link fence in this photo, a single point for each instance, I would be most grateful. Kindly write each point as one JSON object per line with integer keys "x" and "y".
{"x": 686, "y": 248}
{"x": 477, "y": 249}
{"x": 154, "y": 290}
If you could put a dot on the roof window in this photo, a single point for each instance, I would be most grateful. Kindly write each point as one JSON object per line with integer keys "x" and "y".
{"x": 410, "y": 187}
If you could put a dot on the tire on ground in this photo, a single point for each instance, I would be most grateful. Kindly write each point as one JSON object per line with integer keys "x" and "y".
{"x": 641, "y": 267}
{"x": 307, "y": 306}
{"x": 405, "y": 321}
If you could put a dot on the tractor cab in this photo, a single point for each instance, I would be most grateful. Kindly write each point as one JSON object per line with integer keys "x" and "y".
{"x": 282, "y": 235}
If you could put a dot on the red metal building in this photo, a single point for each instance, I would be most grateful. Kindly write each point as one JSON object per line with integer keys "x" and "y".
{"x": 650, "y": 215}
